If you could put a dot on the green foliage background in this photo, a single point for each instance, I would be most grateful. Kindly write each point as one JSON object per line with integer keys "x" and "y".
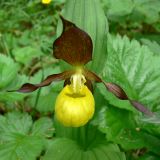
{"x": 126, "y": 40}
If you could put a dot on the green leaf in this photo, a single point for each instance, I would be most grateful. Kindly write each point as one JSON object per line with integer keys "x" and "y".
{"x": 23, "y": 147}
{"x": 116, "y": 8}
{"x": 155, "y": 119}
{"x": 43, "y": 127}
{"x": 131, "y": 66}
{"x": 46, "y": 101}
{"x": 47, "y": 94}
{"x": 135, "y": 69}
{"x": 8, "y": 71}
{"x": 20, "y": 138}
{"x": 89, "y": 16}
{"x": 153, "y": 46}
{"x": 14, "y": 123}
{"x": 113, "y": 100}
{"x": 121, "y": 128}
{"x": 87, "y": 142}
{"x": 26, "y": 54}
{"x": 148, "y": 9}
{"x": 6, "y": 96}
{"x": 11, "y": 96}
{"x": 134, "y": 11}
{"x": 63, "y": 148}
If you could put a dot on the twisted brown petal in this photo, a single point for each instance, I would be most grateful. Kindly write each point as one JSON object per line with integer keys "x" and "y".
{"x": 118, "y": 92}
{"x": 28, "y": 87}
{"x": 141, "y": 108}
{"x": 74, "y": 45}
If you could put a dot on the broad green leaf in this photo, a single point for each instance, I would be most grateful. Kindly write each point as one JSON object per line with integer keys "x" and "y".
{"x": 23, "y": 147}
{"x": 148, "y": 9}
{"x": 113, "y": 100}
{"x": 14, "y": 123}
{"x": 7, "y": 97}
{"x": 20, "y": 138}
{"x": 120, "y": 127}
{"x": 153, "y": 46}
{"x": 63, "y": 148}
{"x": 131, "y": 66}
{"x": 116, "y": 8}
{"x": 11, "y": 96}
{"x": 26, "y": 54}
{"x": 89, "y": 16}
{"x": 8, "y": 71}
{"x": 135, "y": 69}
{"x": 43, "y": 127}
{"x": 155, "y": 119}
{"x": 86, "y": 141}
{"x": 135, "y": 11}
{"x": 46, "y": 100}
{"x": 9, "y": 39}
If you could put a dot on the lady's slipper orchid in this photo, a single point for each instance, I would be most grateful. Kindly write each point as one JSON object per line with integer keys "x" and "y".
{"x": 75, "y": 103}
{"x": 46, "y": 1}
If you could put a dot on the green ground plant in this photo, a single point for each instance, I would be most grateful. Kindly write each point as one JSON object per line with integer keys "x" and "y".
{"x": 126, "y": 51}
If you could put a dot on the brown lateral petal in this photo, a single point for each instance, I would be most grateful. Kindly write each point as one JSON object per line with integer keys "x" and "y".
{"x": 67, "y": 81}
{"x": 118, "y": 92}
{"x": 141, "y": 107}
{"x": 89, "y": 85}
{"x": 74, "y": 45}
{"x": 111, "y": 87}
{"x": 28, "y": 87}
{"x": 92, "y": 76}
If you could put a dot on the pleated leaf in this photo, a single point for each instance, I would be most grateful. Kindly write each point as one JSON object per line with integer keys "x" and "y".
{"x": 66, "y": 149}
{"x": 83, "y": 143}
{"x": 88, "y": 15}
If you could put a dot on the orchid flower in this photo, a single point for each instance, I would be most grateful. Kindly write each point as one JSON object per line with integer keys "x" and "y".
{"x": 45, "y": 1}
{"x": 75, "y": 104}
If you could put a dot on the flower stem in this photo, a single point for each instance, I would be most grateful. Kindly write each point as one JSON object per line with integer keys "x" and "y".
{"x": 83, "y": 136}
{"x": 39, "y": 91}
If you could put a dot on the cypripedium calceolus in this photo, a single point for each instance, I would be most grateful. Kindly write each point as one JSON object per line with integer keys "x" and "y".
{"x": 45, "y": 1}
{"x": 75, "y": 104}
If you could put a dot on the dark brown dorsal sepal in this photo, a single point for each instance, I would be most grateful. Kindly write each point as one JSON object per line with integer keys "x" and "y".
{"x": 74, "y": 45}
